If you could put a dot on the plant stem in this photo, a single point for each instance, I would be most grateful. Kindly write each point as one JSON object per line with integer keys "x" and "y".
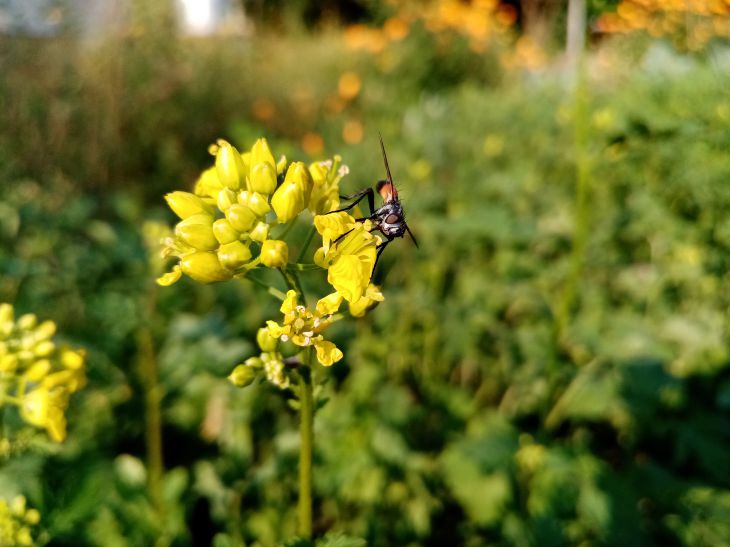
{"x": 306, "y": 243}
{"x": 582, "y": 209}
{"x": 153, "y": 416}
{"x": 306, "y": 431}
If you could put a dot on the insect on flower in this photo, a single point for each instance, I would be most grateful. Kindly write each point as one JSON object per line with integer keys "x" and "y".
{"x": 390, "y": 218}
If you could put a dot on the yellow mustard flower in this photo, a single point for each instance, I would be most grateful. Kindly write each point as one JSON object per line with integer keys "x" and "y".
{"x": 348, "y": 252}
{"x": 367, "y": 301}
{"x": 228, "y": 210}
{"x": 303, "y": 326}
{"x": 326, "y": 176}
{"x": 38, "y": 376}
{"x": 16, "y": 520}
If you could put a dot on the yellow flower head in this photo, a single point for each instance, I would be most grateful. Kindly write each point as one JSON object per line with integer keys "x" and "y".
{"x": 229, "y": 210}
{"x": 348, "y": 252}
{"x": 304, "y": 327}
{"x": 38, "y": 375}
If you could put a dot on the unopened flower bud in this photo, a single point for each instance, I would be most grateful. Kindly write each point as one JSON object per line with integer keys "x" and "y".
{"x": 261, "y": 153}
{"x": 274, "y": 253}
{"x": 229, "y": 166}
{"x": 224, "y": 232}
{"x": 255, "y": 201}
{"x": 242, "y": 218}
{"x": 27, "y": 321}
{"x": 299, "y": 174}
{"x": 37, "y": 370}
{"x": 72, "y": 359}
{"x": 185, "y": 204}
{"x": 263, "y": 178}
{"x": 225, "y": 199}
{"x": 197, "y": 231}
{"x": 234, "y": 255}
{"x": 242, "y": 376}
{"x": 281, "y": 165}
{"x": 288, "y": 201}
{"x": 208, "y": 184}
{"x": 266, "y": 342}
{"x": 260, "y": 232}
{"x": 204, "y": 267}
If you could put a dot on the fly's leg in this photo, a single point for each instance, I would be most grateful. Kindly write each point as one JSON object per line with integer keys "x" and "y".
{"x": 358, "y": 197}
{"x": 377, "y": 256}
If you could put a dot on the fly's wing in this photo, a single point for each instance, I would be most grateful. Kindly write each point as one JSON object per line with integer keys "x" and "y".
{"x": 386, "y": 188}
{"x": 387, "y": 191}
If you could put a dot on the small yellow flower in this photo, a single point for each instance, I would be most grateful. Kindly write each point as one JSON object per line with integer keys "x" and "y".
{"x": 304, "y": 327}
{"x": 367, "y": 301}
{"x": 326, "y": 176}
{"x": 349, "y": 252}
{"x": 43, "y": 407}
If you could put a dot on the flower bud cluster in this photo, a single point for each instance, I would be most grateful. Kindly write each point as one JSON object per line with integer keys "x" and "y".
{"x": 35, "y": 374}
{"x": 270, "y": 361}
{"x": 225, "y": 224}
{"x": 16, "y": 521}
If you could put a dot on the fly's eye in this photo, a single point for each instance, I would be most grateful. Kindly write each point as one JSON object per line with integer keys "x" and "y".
{"x": 392, "y": 218}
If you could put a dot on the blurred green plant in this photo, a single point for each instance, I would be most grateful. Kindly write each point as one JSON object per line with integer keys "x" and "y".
{"x": 467, "y": 416}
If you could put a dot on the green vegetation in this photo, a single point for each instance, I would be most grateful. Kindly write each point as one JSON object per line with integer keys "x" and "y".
{"x": 549, "y": 367}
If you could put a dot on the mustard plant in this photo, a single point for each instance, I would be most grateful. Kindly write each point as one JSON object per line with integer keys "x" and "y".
{"x": 225, "y": 232}
{"x": 37, "y": 377}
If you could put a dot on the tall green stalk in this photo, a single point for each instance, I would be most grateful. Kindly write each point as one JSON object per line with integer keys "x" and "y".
{"x": 306, "y": 431}
{"x": 582, "y": 211}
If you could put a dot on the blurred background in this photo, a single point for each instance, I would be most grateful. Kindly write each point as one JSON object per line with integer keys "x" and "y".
{"x": 550, "y": 367}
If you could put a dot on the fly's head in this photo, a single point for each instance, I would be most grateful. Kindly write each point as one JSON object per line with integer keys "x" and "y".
{"x": 390, "y": 219}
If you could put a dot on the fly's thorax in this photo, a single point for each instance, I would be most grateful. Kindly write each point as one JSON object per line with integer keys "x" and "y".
{"x": 391, "y": 220}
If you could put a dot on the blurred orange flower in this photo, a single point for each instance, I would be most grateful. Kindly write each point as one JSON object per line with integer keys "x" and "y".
{"x": 349, "y": 85}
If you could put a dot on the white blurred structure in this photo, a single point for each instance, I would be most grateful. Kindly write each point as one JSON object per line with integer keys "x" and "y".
{"x": 92, "y": 18}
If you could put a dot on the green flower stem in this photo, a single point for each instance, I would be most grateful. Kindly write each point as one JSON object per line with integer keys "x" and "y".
{"x": 582, "y": 205}
{"x": 306, "y": 431}
{"x": 292, "y": 282}
{"x": 276, "y": 293}
{"x": 153, "y": 416}
{"x": 307, "y": 241}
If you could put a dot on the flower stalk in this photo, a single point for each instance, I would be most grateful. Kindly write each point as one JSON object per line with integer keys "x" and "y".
{"x": 306, "y": 432}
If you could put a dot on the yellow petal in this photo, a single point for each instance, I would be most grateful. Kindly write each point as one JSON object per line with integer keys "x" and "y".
{"x": 329, "y": 304}
{"x": 290, "y": 302}
{"x": 170, "y": 277}
{"x": 327, "y": 353}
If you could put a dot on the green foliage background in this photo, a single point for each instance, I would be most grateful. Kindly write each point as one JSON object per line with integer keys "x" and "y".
{"x": 550, "y": 367}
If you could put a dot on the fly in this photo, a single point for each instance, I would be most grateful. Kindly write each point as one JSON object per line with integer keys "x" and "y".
{"x": 390, "y": 218}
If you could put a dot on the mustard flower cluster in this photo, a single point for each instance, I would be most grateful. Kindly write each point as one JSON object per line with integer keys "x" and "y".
{"x": 225, "y": 223}
{"x": 16, "y": 521}
{"x": 224, "y": 233}
{"x": 36, "y": 375}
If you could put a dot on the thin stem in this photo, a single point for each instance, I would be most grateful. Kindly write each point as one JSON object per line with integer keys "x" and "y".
{"x": 153, "y": 415}
{"x": 582, "y": 209}
{"x": 307, "y": 241}
{"x": 292, "y": 282}
{"x": 287, "y": 230}
{"x": 276, "y": 293}
{"x": 306, "y": 431}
